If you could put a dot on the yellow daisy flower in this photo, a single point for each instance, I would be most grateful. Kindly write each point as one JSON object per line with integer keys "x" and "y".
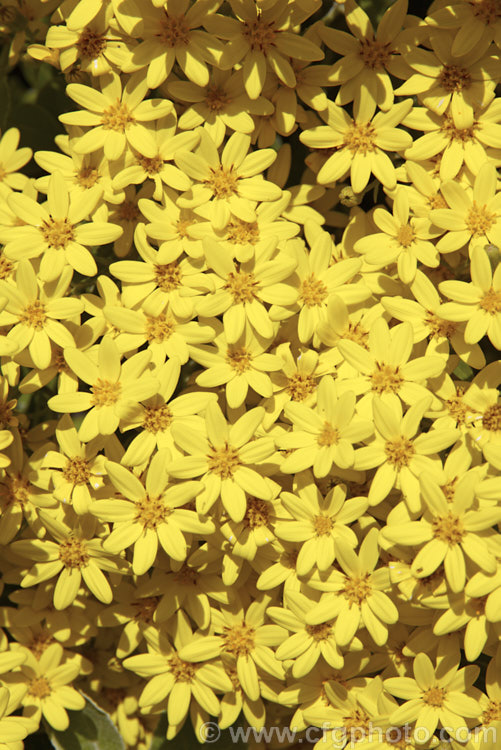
{"x": 172, "y": 226}
{"x": 476, "y": 24}
{"x": 12, "y": 159}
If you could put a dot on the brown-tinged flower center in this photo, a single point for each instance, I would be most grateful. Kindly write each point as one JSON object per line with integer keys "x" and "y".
{"x": 328, "y": 436}
{"x": 357, "y": 589}
{"x": 300, "y": 386}
{"x": 492, "y": 712}
{"x": 260, "y": 34}
{"x": 320, "y": 632}
{"x": 183, "y": 671}
{"x": 448, "y": 529}
{"x": 151, "y": 511}
{"x": 242, "y": 286}
{"x": 435, "y": 696}
{"x": 186, "y": 576}
{"x": 145, "y": 609}
{"x": 240, "y": 232}
{"x": 313, "y": 291}
{"x": 117, "y": 117}
{"x": 159, "y": 328}
{"x": 151, "y": 165}
{"x": 223, "y": 182}
{"x": 223, "y": 461}
{"x": 399, "y": 451}
{"x": 257, "y": 513}
{"x": 73, "y": 553}
{"x": 374, "y": 54}
{"x": 90, "y": 43}
{"x": 239, "y": 359}
{"x": 238, "y": 639}
{"x": 168, "y": 276}
{"x": 453, "y": 78}
{"x": 105, "y": 393}
{"x": 40, "y": 688}
{"x": 157, "y": 418}
{"x": 174, "y": 31}
{"x": 57, "y": 232}
{"x": 14, "y": 490}
{"x": 461, "y": 135}
{"x": 440, "y": 328}
{"x": 386, "y": 379}
{"x": 216, "y": 98}
{"x": 360, "y": 137}
{"x": 491, "y": 418}
{"x": 34, "y": 315}
{"x": 76, "y": 470}
{"x": 128, "y": 211}
{"x": 356, "y": 720}
{"x": 491, "y": 301}
{"x": 449, "y": 489}
{"x": 86, "y": 177}
{"x": 487, "y": 11}
{"x": 40, "y": 642}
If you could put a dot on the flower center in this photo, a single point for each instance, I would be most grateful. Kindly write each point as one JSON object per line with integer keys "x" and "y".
{"x": 239, "y": 359}
{"x": 491, "y": 301}
{"x": 87, "y": 177}
{"x": 182, "y": 226}
{"x": 223, "y": 182}
{"x": 34, "y": 315}
{"x": 159, "y": 328}
{"x": 356, "y": 720}
{"x": 439, "y": 328}
{"x": 216, "y": 98}
{"x": 174, "y": 31}
{"x": 157, "y": 418}
{"x": 452, "y": 78}
{"x": 59, "y": 361}
{"x": 105, "y": 393}
{"x": 242, "y": 286}
{"x": 241, "y": 232}
{"x": 357, "y": 333}
{"x": 168, "y": 276}
{"x": 492, "y": 712}
{"x": 259, "y": 34}
{"x": 323, "y": 525}
{"x": 399, "y": 451}
{"x": 462, "y": 135}
{"x": 90, "y": 43}
{"x": 239, "y": 639}
{"x": 73, "y": 553}
{"x": 128, "y": 211}
{"x": 257, "y": 513}
{"x": 183, "y": 671}
{"x": 357, "y": 589}
{"x": 117, "y": 117}
{"x": 145, "y": 609}
{"x": 479, "y": 220}
{"x": 187, "y": 576}
{"x": 448, "y": 529}
{"x": 14, "y": 490}
{"x": 151, "y": 511}
{"x": 406, "y": 235}
{"x": 40, "y": 643}
{"x": 320, "y": 632}
{"x": 39, "y": 688}
{"x": 449, "y": 489}
{"x": 386, "y": 379}
{"x": 299, "y": 386}
{"x": 313, "y": 291}
{"x": 151, "y": 165}
{"x": 437, "y": 201}
{"x": 491, "y": 418}
{"x": 76, "y": 470}
{"x": 360, "y": 137}
{"x": 373, "y": 53}
{"x": 487, "y": 11}
{"x": 329, "y": 435}
{"x": 435, "y": 696}
{"x": 57, "y": 232}
{"x": 223, "y": 461}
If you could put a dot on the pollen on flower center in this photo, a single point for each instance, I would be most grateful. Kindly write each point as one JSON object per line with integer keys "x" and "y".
{"x": 90, "y": 43}
{"x": 223, "y": 461}
{"x": 239, "y": 359}
{"x": 76, "y": 470}
{"x": 492, "y": 712}
{"x": 491, "y": 301}
{"x": 242, "y": 286}
{"x": 151, "y": 165}
{"x": 183, "y": 671}
{"x": 168, "y": 276}
{"x": 440, "y": 328}
{"x": 356, "y": 719}
{"x": 386, "y": 379}
{"x": 452, "y": 78}
{"x": 39, "y": 688}
{"x": 437, "y": 201}
{"x": 157, "y": 418}
{"x": 406, "y": 235}
{"x": 182, "y": 228}
{"x": 223, "y": 182}
{"x": 73, "y": 553}
{"x": 241, "y": 232}
{"x": 313, "y": 291}
{"x": 320, "y": 632}
{"x": 357, "y": 333}
{"x": 491, "y": 418}
{"x": 374, "y": 54}
{"x": 462, "y": 135}
{"x": 257, "y": 513}
{"x": 14, "y": 490}
{"x": 487, "y": 11}
{"x": 329, "y": 435}
{"x": 105, "y": 393}
{"x": 323, "y": 525}
{"x": 40, "y": 643}
{"x": 449, "y": 489}
{"x": 479, "y": 220}
{"x": 448, "y": 529}
{"x": 174, "y": 31}
{"x": 117, "y": 117}
{"x": 260, "y": 34}
{"x": 159, "y": 328}
{"x": 399, "y": 451}
{"x": 360, "y": 136}
{"x": 216, "y": 98}
{"x": 300, "y": 386}
{"x": 151, "y": 511}
{"x": 57, "y": 232}
{"x": 435, "y": 696}
{"x": 128, "y": 211}
{"x": 87, "y": 177}
{"x": 34, "y": 315}
{"x": 239, "y": 639}
{"x": 145, "y": 609}
{"x": 187, "y": 576}
{"x": 357, "y": 589}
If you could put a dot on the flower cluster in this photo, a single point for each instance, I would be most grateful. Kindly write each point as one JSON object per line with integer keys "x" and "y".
{"x": 265, "y": 477}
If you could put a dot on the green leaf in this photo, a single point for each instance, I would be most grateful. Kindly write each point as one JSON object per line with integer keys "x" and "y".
{"x": 187, "y": 739}
{"x": 463, "y": 371}
{"x": 90, "y": 729}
